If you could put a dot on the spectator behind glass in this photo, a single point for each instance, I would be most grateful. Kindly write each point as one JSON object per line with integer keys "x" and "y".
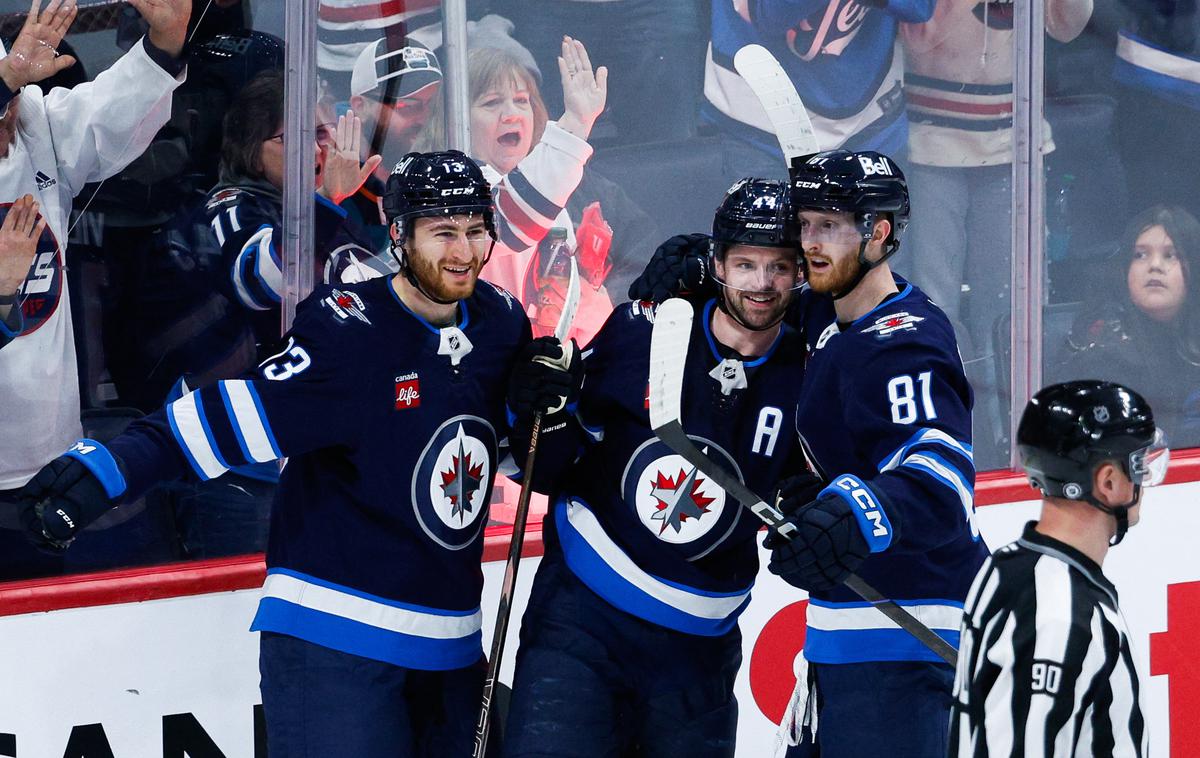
{"x": 653, "y": 47}
{"x": 958, "y": 88}
{"x": 1158, "y": 100}
{"x": 53, "y": 142}
{"x": 393, "y": 89}
{"x": 840, "y": 56}
{"x": 1144, "y": 327}
{"x": 212, "y": 310}
{"x": 536, "y": 168}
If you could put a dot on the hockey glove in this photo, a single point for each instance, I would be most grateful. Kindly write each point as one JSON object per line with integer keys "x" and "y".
{"x": 545, "y": 379}
{"x": 70, "y": 492}
{"x": 797, "y": 491}
{"x": 834, "y": 534}
{"x": 679, "y": 266}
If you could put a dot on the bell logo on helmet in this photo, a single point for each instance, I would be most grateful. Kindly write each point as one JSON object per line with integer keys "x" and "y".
{"x": 870, "y": 167}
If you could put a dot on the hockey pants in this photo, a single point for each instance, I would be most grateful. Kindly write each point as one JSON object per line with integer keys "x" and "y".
{"x": 593, "y": 681}
{"x": 320, "y": 703}
{"x": 895, "y": 709}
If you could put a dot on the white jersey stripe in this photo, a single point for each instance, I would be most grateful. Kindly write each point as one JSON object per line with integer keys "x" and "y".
{"x": 248, "y": 422}
{"x": 189, "y": 431}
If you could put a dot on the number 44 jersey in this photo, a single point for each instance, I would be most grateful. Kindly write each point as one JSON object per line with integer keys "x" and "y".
{"x": 884, "y": 398}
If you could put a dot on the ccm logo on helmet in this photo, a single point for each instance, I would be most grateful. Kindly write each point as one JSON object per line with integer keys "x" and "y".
{"x": 870, "y": 167}
{"x": 865, "y": 502}
{"x": 458, "y": 191}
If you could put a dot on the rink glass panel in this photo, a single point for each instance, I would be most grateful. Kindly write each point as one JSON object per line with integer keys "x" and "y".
{"x": 662, "y": 159}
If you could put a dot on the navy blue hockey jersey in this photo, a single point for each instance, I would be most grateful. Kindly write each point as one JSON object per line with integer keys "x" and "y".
{"x": 393, "y": 430}
{"x": 885, "y": 399}
{"x": 638, "y": 524}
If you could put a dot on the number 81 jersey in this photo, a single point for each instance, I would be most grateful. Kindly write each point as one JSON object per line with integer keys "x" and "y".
{"x": 885, "y": 398}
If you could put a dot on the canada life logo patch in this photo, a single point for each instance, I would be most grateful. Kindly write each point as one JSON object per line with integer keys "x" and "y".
{"x": 452, "y": 481}
{"x": 408, "y": 391}
{"x": 676, "y": 501}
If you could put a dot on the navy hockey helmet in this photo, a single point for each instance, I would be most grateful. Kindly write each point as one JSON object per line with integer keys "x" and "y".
{"x": 237, "y": 57}
{"x": 756, "y": 212}
{"x": 1068, "y": 430}
{"x": 865, "y": 183}
{"x": 444, "y": 183}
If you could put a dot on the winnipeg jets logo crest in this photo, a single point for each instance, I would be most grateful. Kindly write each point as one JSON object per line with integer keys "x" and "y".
{"x": 452, "y": 481}
{"x": 675, "y": 501}
{"x": 885, "y": 326}
{"x": 40, "y": 294}
{"x": 678, "y": 499}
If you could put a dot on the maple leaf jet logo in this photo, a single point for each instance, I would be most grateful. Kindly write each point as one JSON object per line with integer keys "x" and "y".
{"x": 461, "y": 482}
{"x": 678, "y": 499}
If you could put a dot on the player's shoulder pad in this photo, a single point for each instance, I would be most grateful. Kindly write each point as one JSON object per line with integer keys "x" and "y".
{"x": 340, "y": 306}
{"x": 490, "y": 292}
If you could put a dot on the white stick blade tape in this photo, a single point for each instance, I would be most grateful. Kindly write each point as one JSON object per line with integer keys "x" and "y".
{"x": 668, "y": 354}
{"x": 778, "y": 97}
{"x": 570, "y": 305}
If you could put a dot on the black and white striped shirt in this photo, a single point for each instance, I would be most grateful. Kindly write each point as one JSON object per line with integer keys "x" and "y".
{"x": 1044, "y": 666}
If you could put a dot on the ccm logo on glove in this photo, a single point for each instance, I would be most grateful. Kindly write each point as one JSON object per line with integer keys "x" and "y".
{"x": 866, "y": 503}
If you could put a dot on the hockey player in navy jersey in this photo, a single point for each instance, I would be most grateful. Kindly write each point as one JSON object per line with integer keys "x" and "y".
{"x": 884, "y": 416}
{"x": 388, "y": 398}
{"x": 630, "y": 643}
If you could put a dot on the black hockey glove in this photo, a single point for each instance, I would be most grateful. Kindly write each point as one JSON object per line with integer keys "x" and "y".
{"x": 835, "y": 533}
{"x": 70, "y": 492}
{"x": 679, "y": 266}
{"x": 546, "y": 379}
{"x": 797, "y": 491}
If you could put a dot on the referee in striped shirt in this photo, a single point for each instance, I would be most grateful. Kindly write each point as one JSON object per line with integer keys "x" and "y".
{"x": 1044, "y": 666}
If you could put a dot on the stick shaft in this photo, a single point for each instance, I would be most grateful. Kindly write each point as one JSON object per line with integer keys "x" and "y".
{"x": 507, "y": 592}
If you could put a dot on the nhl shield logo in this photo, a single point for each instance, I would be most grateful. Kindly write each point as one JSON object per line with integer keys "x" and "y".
{"x": 452, "y": 482}
{"x": 675, "y": 501}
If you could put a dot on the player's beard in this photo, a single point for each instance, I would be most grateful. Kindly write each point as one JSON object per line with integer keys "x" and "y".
{"x": 836, "y": 278}
{"x": 754, "y": 317}
{"x": 439, "y": 283}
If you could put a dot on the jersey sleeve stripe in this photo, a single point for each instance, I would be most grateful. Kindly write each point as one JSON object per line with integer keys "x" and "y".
{"x": 530, "y": 196}
{"x": 240, "y": 413}
{"x": 517, "y": 217}
{"x": 251, "y": 290}
{"x": 188, "y": 426}
{"x": 508, "y": 237}
{"x": 267, "y": 263}
{"x": 250, "y": 421}
{"x": 926, "y": 436}
{"x": 947, "y": 475}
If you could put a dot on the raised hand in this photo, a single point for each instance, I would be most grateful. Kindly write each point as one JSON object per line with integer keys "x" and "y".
{"x": 168, "y": 20}
{"x": 344, "y": 173}
{"x": 34, "y": 54}
{"x": 18, "y": 242}
{"x": 584, "y": 92}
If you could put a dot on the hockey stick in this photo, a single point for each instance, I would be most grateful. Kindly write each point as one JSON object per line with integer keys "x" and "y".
{"x": 508, "y": 588}
{"x": 668, "y": 354}
{"x": 778, "y": 97}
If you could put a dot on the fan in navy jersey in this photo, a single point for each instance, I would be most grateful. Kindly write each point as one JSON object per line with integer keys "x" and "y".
{"x": 884, "y": 416}
{"x": 388, "y": 398}
{"x": 630, "y": 642}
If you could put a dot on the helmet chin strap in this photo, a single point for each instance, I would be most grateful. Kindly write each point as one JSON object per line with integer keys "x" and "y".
{"x": 1119, "y": 512}
{"x": 402, "y": 259}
